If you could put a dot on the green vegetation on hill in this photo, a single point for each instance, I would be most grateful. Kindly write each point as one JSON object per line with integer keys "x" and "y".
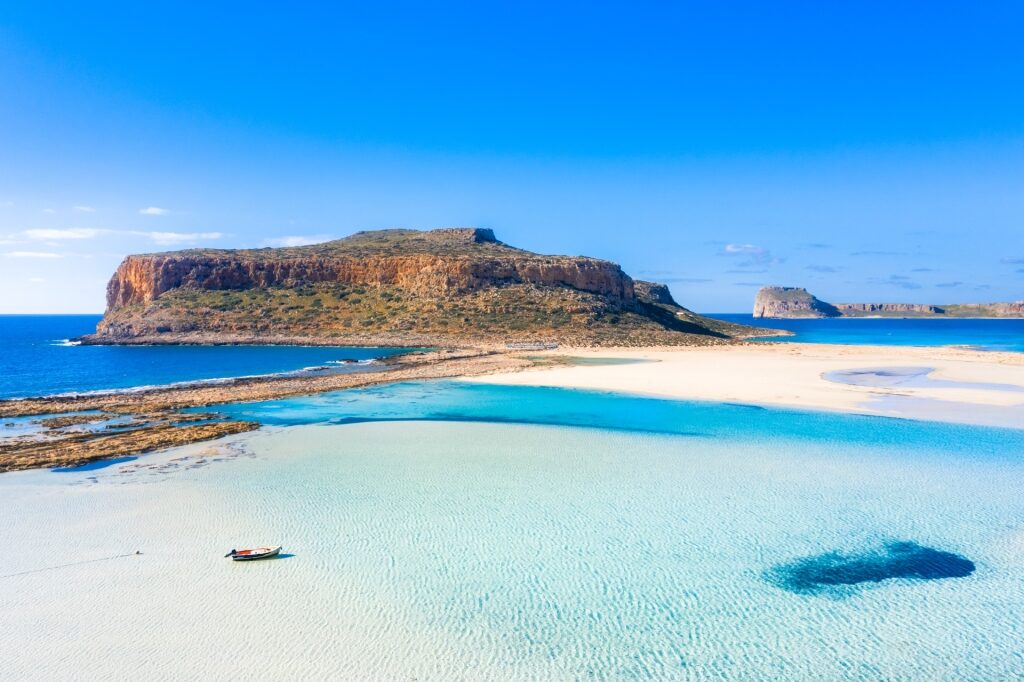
{"x": 506, "y": 313}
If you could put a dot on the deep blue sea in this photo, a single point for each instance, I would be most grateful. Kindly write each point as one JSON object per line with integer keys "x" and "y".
{"x": 993, "y": 335}
{"x": 36, "y": 358}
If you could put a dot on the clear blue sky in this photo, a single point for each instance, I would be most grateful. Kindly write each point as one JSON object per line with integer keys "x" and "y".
{"x": 873, "y": 151}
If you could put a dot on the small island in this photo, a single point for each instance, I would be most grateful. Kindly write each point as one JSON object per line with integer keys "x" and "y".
{"x": 796, "y": 302}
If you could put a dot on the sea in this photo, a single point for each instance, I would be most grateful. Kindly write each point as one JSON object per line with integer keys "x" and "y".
{"x": 39, "y": 357}
{"x": 450, "y": 530}
{"x": 980, "y": 334}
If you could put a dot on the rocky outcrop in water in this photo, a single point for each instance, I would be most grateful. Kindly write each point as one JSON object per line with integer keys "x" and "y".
{"x": 797, "y": 302}
{"x": 790, "y": 302}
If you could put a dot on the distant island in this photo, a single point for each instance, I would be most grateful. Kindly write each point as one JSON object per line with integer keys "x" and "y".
{"x": 456, "y": 286}
{"x": 797, "y": 302}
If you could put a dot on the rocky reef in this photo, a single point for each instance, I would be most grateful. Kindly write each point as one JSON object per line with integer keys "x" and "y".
{"x": 392, "y": 287}
{"x": 797, "y": 302}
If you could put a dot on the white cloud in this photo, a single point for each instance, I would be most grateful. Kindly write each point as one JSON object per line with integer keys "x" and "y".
{"x": 171, "y": 238}
{"x": 56, "y": 235}
{"x": 48, "y": 210}
{"x": 84, "y": 209}
{"x": 153, "y": 210}
{"x": 32, "y": 254}
{"x": 298, "y": 240}
{"x": 743, "y": 248}
{"x": 53, "y": 236}
{"x": 756, "y": 255}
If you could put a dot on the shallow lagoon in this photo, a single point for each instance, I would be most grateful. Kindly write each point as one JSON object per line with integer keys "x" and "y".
{"x": 454, "y": 549}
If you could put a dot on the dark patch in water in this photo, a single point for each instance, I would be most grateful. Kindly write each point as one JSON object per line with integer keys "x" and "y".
{"x": 832, "y": 572}
{"x": 93, "y": 466}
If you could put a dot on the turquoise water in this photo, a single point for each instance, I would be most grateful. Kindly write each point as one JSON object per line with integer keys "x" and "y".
{"x": 453, "y": 401}
{"x": 994, "y": 335}
{"x": 36, "y": 359}
{"x": 449, "y": 530}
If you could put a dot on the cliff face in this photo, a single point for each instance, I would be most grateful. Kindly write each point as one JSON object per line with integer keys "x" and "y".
{"x": 888, "y": 308}
{"x": 392, "y": 287}
{"x": 790, "y": 302}
{"x": 794, "y": 302}
{"x": 450, "y": 271}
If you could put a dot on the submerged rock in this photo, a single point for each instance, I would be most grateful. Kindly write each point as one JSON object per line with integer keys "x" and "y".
{"x": 834, "y": 571}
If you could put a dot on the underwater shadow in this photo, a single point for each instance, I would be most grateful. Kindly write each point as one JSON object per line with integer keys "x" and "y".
{"x": 836, "y": 574}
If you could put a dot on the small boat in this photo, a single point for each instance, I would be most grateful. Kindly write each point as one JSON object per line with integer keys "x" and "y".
{"x": 253, "y": 554}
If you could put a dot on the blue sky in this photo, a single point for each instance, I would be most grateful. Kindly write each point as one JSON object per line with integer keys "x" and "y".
{"x": 868, "y": 152}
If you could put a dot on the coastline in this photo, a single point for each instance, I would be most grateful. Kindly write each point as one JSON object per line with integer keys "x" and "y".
{"x": 793, "y": 375}
{"x": 983, "y": 388}
{"x": 154, "y": 422}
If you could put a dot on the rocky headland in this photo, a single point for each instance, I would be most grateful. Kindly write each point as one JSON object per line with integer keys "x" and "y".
{"x": 461, "y": 291}
{"x": 797, "y": 302}
{"x": 444, "y": 287}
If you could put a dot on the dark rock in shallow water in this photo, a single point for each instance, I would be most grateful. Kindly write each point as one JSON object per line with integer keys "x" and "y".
{"x": 835, "y": 572}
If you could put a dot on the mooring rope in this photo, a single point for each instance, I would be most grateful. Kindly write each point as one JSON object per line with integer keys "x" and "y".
{"x": 74, "y": 563}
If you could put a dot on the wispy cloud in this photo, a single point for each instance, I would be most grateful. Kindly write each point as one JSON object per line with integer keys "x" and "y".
{"x": 1012, "y": 261}
{"x": 58, "y": 235}
{"x": 878, "y": 253}
{"x": 747, "y": 284}
{"x": 949, "y": 285}
{"x": 297, "y": 240}
{"x": 48, "y": 210}
{"x": 752, "y": 253}
{"x": 162, "y": 238}
{"x": 922, "y": 270}
{"x": 173, "y": 238}
{"x": 32, "y": 254}
{"x": 823, "y": 268}
{"x": 153, "y": 210}
{"x": 84, "y": 209}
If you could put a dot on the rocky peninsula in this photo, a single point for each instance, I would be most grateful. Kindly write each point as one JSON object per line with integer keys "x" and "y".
{"x": 447, "y": 287}
{"x": 797, "y": 302}
{"x": 479, "y": 303}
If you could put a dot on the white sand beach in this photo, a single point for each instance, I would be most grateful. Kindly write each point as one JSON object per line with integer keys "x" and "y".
{"x": 964, "y": 386}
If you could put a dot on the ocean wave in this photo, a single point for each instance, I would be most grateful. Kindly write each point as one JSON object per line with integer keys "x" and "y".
{"x": 65, "y": 342}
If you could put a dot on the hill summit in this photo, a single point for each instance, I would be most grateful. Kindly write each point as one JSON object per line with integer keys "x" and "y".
{"x": 392, "y": 287}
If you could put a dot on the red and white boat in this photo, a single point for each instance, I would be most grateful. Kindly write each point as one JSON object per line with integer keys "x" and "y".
{"x": 254, "y": 553}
